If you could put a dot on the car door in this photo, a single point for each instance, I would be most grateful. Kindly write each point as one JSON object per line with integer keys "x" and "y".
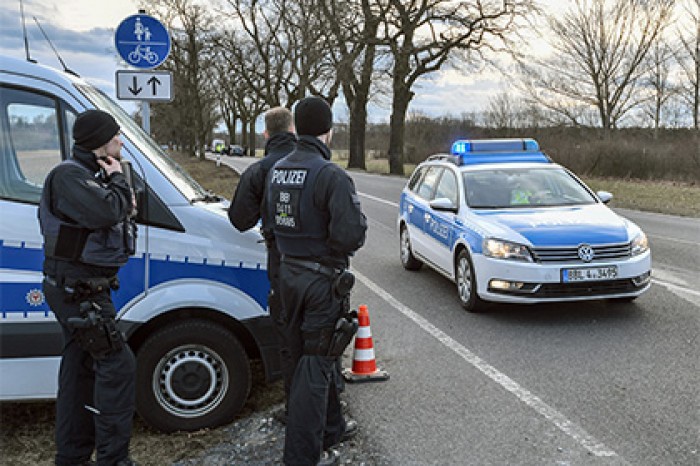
{"x": 439, "y": 225}
{"x": 417, "y": 207}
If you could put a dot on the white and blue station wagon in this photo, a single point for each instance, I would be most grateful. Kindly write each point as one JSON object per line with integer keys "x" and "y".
{"x": 507, "y": 224}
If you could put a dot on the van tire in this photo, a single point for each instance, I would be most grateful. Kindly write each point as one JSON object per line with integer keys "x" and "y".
{"x": 191, "y": 375}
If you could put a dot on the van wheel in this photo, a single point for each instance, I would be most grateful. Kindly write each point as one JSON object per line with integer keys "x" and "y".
{"x": 465, "y": 278}
{"x": 191, "y": 375}
{"x": 408, "y": 260}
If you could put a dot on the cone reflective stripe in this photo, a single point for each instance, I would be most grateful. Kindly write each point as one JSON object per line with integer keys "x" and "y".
{"x": 364, "y": 365}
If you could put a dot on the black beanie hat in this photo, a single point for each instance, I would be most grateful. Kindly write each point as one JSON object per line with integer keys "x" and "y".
{"x": 312, "y": 116}
{"x": 93, "y": 129}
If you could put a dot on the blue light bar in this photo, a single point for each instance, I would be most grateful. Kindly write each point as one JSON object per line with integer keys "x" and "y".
{"x": 477, "y": 151}
{"x": 466, "y": 146}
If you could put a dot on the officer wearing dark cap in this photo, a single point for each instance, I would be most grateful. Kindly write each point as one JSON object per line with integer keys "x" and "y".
{"x": 318, "y": 224}
{"x": 86, "y": 217}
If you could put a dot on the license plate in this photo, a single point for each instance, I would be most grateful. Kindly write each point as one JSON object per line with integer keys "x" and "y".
{"x": 589, "y": 274}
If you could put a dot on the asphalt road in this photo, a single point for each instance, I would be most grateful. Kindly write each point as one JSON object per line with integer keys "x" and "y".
{"x": 564, "y": 384}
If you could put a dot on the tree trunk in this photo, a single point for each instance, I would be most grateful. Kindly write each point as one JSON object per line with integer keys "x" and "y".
{"x": 397, "y": 129}
{"x": 244, "y": 133}
{"x": 251, "y": 137}
{"x": 356, "y": 143}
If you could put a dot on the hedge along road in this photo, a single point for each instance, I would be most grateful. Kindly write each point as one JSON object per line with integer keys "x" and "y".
{"x": 587, "y": 383}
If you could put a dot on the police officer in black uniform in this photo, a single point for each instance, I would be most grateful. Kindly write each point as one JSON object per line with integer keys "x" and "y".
{"x": 246, "y": 207}
{"x": 86, "y": 213}
{"x": 318, "y": 225}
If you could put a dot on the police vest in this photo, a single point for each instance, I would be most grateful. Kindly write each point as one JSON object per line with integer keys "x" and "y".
{"x": 301, "y": 229}
{"x": 65, "y": 240}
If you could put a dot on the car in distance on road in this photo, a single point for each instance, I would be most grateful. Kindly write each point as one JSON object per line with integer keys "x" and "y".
{"x": 507, "y": 224}
{"x": 237, "y": 151}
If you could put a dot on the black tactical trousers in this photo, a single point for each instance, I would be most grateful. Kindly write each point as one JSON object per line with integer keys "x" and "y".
{"x": 314, "y": 421}
{"x": 274, "y": 301}
{"x": 95, "y": 404}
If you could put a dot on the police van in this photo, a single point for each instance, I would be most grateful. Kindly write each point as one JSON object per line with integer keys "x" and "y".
{"x": 193, "y": 299}
{"x": 507, "y": 224}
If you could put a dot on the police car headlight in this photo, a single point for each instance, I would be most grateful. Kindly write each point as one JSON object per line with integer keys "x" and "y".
{"x": 500, "y": 249}
{"x": 640, "y": 244}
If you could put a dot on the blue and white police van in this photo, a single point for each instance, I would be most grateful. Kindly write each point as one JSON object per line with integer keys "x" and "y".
{"x": 192, "y": 301}
{"x": 508, "y": 225}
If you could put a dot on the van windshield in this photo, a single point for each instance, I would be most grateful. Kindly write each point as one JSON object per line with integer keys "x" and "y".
{"x": 179, "y": 177}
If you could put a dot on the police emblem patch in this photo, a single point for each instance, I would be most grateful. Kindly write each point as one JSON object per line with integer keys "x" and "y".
{"x": 35, "y": 297}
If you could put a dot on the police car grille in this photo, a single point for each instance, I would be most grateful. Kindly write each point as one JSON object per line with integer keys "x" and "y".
{"x": 570, "y": 254}
{"x": 569, "y": 290}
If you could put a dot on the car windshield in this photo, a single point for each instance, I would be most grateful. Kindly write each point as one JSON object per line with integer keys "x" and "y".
{"x": 179, "y": 177}
{"x": 524, "y": 187}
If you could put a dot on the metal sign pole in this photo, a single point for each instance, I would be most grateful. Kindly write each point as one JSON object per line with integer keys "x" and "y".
{"x": 146, "y": 116}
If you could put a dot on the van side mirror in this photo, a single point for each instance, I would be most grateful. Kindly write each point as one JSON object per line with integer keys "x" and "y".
{"x": 604, "y": 196}
{"x": 443, "y": 204}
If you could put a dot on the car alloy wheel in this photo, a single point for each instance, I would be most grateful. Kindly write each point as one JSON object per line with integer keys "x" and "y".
{"x": 408, "y": 260}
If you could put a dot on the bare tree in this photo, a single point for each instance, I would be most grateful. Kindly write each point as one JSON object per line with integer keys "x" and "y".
{"x": 191, "y": 60}
{"x": 501, "y": 112}
{"x": 599, "y": 49}
{"x": 657, "y": 82}
{"x": 285, "y": 57}
{"x": 423, "y": 34}
{"x": 689, "y": 59}
{"x": 353, "y": 27}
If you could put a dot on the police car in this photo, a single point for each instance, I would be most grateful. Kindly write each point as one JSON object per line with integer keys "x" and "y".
{"x": 508, "y": 225}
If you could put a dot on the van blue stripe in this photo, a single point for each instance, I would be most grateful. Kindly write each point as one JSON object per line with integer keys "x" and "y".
{"x": 251, "y": 280}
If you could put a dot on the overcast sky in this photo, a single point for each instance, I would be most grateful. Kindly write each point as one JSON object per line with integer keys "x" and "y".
{"x": 83, "y": 33}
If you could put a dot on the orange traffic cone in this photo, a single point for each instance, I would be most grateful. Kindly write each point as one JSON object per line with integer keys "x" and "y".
{"x": 364, "y": 366}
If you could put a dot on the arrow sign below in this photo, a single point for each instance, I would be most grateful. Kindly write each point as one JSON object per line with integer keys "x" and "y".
{"x": 135, "y": 89}
{"x": 153, "y": 86}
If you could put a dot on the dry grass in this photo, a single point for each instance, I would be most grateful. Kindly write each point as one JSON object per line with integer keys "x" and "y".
{"x": 220, "y": 180}
{"x": 666, "y": 197}
{"x": 27, "y": 429}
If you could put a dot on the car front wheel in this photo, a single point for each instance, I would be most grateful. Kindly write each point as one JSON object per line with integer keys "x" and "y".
{"x": 466, "y": 283}
{"x": 191, "y": 375}
{"x": 408, "y": 260}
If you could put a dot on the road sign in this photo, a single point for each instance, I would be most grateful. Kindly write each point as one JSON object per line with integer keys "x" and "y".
{"x": 153, "y": 86}
{"x": 142, "y": 41}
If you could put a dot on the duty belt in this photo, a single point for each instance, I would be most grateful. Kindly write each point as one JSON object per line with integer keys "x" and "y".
{"x": 99, "y": 284}
{"x": 330, "y": 272}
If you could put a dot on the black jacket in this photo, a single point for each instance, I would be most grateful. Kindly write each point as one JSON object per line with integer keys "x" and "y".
{"x": 245, "y": 209}
{"x": 78, "y": 194}
{"x": 334, "y": 194}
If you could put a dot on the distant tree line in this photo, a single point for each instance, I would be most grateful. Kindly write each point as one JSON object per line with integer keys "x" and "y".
{"x": 616, "y": 63}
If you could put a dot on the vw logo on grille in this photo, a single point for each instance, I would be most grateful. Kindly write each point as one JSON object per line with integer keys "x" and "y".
{"x": 585, "y": 252}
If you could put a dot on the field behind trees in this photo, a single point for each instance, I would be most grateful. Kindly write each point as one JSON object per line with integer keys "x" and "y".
{"x": 629, "y": 153}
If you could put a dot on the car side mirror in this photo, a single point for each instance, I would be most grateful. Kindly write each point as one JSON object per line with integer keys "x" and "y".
{"x": 443, "y": 204}
{"x": 604, "y": 196}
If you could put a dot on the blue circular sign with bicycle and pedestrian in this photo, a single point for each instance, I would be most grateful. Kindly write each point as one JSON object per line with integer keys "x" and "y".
{"x": 142, "y": 41}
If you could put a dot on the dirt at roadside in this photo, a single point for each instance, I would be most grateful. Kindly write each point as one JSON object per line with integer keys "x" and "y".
{"x": 258, "y": 440}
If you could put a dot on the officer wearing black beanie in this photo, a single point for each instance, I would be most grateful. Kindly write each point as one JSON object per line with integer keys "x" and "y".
{"x": 93, "y": 129}
{"x": 86, "y": 217}
{"x": 318, "y": 224}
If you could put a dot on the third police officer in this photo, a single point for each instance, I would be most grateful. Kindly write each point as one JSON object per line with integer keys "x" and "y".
{"x": 318, "y": 225}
